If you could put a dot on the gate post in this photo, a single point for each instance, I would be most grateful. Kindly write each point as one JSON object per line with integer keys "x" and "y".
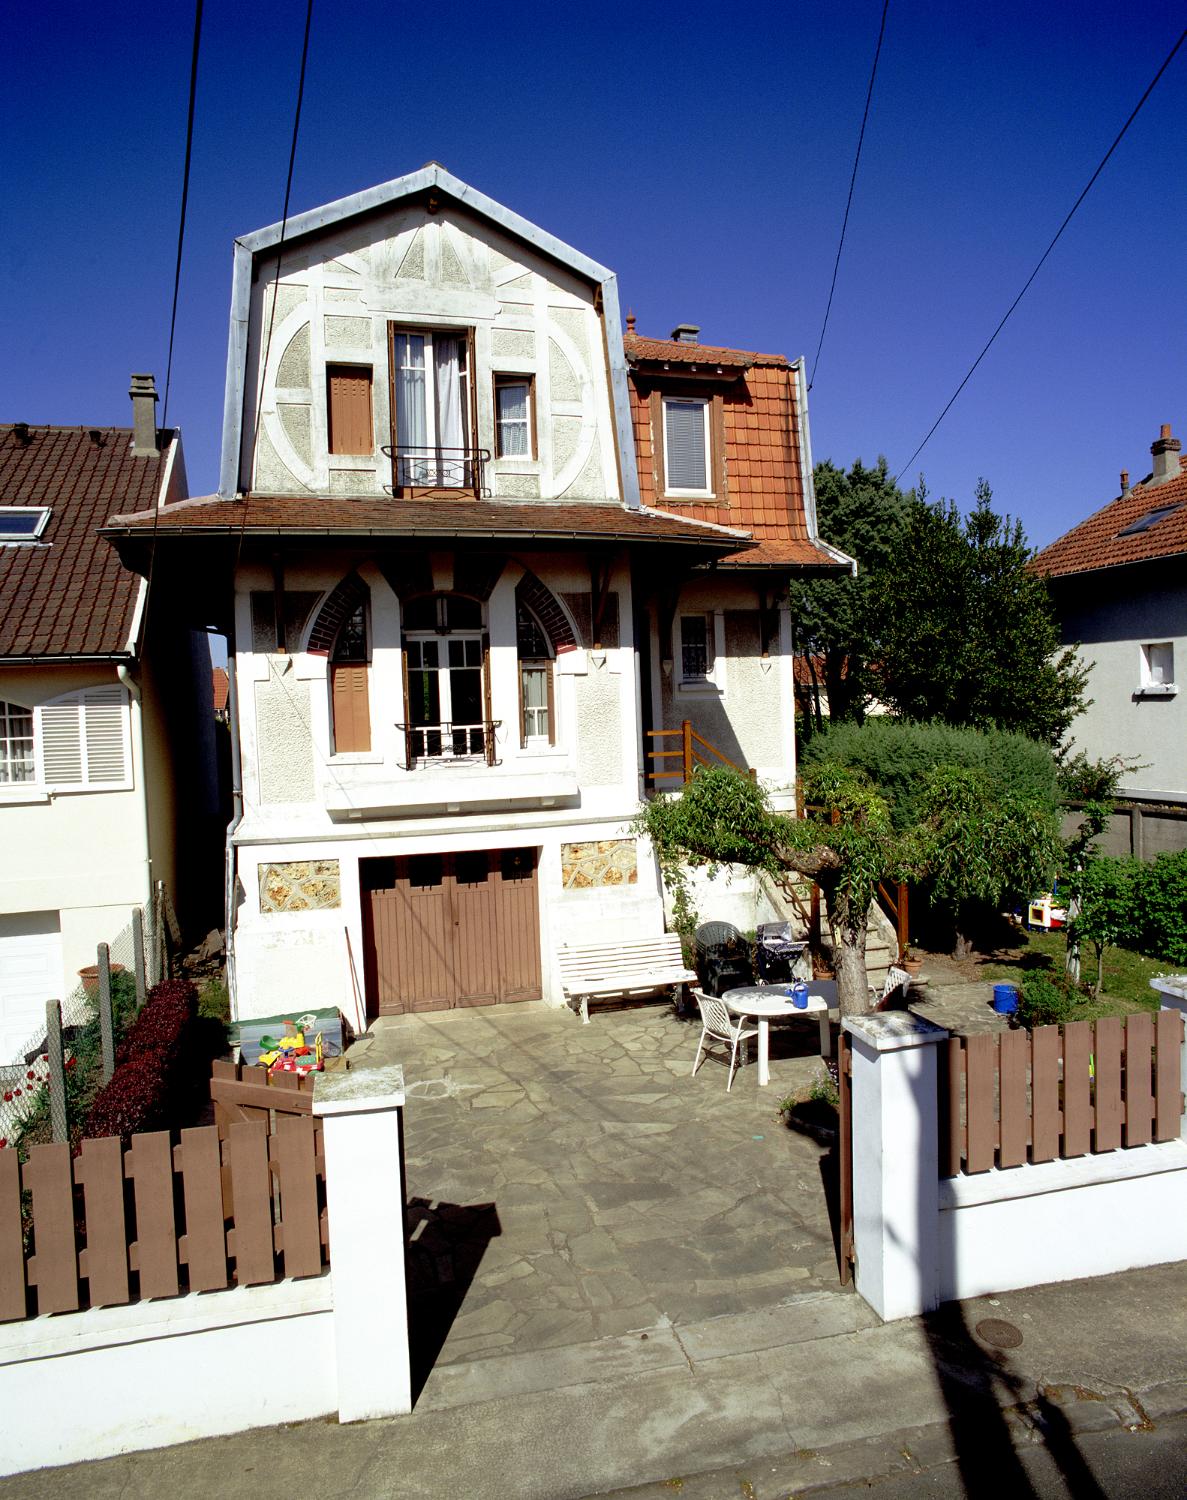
{"x": 361, "y": 1110}
{"x": 896, "y": 1161}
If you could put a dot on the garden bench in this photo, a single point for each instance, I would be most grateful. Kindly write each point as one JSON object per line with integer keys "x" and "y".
{"x": 617, "y": 970}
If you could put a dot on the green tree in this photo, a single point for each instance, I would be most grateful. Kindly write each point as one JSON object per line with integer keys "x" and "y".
{"x": 968, "y": 632}
{"x": 1105, "y": 893}
{"x": 861, "y": 512}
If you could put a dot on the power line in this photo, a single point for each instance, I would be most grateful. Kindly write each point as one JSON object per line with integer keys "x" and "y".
{"x": 1104, "y": 160}
{"x": 185, "y": 193}
{"x": 852, "y": 182}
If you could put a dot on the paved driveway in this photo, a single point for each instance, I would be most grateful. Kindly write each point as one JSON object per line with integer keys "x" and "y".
{"x": 568, "y": 1183}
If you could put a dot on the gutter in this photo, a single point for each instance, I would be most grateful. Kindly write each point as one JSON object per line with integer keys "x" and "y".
{"x": 45, "y": 659}
{"x": 123, "y": 671}
{"x": 236, "y": 819}
{"x": 801, "y": 401}
{"x": 731, "y": 542}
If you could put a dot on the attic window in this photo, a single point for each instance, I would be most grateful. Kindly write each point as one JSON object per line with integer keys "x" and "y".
{"x": 22, "y": 523}
{"x": 1151, "y": 518}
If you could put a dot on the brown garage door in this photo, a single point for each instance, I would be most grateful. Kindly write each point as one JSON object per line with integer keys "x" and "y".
{"x": 444, "y": 930}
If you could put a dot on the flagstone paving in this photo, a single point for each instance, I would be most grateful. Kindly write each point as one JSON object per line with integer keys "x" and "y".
{"x": 568, "y": 1183}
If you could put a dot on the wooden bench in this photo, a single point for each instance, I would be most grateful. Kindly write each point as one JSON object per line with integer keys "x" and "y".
{"x": 631, "y": 966}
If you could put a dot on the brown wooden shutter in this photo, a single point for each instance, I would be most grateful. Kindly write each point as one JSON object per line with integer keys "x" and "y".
{"x": 486, "y": 699}
{"x": 349, "y": 402}
{"x": 352, "y": 707}
{"x": 549, "y": 670}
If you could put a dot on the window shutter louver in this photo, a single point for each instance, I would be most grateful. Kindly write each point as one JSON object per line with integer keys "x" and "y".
{"x": 103, "y": 735}
{"x": 61, "y": 744}
{"x": 84, "y": 739}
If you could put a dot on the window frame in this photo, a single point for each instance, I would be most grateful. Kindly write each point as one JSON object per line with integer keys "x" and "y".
{"x": 351, "y": 664}
{"x": 500, "y": 380}
{"x": 42, "y": 787}
{"x": 1151, "y": 686}
{"x": 472, "y": 456}
{"x": 535, "y": 663}
{"x": 706, "y": 405}
{"x": 23, "y": 540}
{"x": 364, "y": 369}
{"x": 442, "y": 634}
{"x": 10, "y": 711}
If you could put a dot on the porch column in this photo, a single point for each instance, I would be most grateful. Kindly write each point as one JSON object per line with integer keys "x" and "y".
{"x": 896, "y": 1161}
{"x": 362, "y": 1117}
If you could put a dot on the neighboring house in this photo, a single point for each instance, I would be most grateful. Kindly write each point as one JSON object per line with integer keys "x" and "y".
{"x": 96, "y": 727}
{"x": 1119, "y": 581}
{"x": 220, "y": 685}
{"x": 462, "y": 603}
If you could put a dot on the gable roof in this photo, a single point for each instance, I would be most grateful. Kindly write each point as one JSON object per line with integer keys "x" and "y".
{"x": 67, "y": 594}
{"x": 1097, "y": 543}
{"x": 768, "y": 456}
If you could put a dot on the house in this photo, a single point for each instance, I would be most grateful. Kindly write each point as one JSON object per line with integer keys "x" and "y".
{"x": 1119, "y": 582}
{"x": 482, "y": 557}
{"x": 98, "y": 732}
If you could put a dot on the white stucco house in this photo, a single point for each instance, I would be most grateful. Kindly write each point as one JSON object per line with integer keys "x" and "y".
{"x": 1119, "y": 582}
{"x": 478, "y": 549}
{"x": 99, "y": 728}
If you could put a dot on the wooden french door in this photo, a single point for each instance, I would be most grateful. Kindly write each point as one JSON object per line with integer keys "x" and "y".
{"x": 447, "y": 930}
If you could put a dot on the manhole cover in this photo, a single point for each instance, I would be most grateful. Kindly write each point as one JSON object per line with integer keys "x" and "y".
{"x": 998, "y": 1333}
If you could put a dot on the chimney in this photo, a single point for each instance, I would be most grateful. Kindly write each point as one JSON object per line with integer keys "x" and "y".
{"x": 144, "y": 414}
{"x": 1125, "y": 481}
{"x": 685, "y": 333}
{"x": 1166, "y": 456}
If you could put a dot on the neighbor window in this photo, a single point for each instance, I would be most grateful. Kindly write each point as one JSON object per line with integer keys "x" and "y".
{"x": 537, "y": 711}
{"x": 348, "y": 400}
{"x": 22, "y": 523}
{"x": 77, "y": 742}
{"x": 349, "y": 688}
{"x": 696, "y": 648}
{"x": 514, "y": 434}
{"x": 1158, "y": 664}
{"x": 16, "y": 743}
{"x": 686, "y": 446}
{"x": 431, "y": 387}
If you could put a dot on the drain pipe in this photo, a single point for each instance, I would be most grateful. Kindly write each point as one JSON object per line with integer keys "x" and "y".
{"x": 236, "y": 819}
{"x": 123, "y": 671}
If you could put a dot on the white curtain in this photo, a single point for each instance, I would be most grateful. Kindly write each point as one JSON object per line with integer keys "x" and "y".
{"x": 450, "y": 431}
{"x": 513, "y": 420}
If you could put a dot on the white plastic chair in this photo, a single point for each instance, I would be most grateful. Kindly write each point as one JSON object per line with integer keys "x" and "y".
{"x": 720, "y": 1026}
{"x": 896, "y": 979}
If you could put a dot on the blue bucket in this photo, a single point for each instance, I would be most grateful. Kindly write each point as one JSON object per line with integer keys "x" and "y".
{"x": 1005, "y": 999}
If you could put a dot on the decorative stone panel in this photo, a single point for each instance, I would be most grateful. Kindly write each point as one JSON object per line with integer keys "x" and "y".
{"x": 347, "y": 333}
{"x": 300, "y": 885}
{"x": 607, "y": 862}
{"x": 293, "y": 370}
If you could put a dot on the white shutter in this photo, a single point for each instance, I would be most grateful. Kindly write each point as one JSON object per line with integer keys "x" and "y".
{"x": 84, "y": 739}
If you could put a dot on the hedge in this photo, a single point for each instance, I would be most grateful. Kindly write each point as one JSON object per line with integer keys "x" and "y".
{"x": 161, "y": 1064}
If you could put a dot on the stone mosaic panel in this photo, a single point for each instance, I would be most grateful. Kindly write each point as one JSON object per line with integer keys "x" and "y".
{"x": 606, "y": 862}
{"x": 300, "y": 885}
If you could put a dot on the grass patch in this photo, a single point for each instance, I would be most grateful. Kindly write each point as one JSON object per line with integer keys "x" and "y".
{"x": 1127, "y": 975}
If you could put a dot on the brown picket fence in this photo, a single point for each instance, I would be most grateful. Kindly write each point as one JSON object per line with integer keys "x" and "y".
{"x": 161, "y": 1217}
{"x": 1014, "y": 1097}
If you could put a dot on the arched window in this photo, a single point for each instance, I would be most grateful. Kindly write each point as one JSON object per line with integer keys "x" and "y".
{"x": 349, "y": 689}
{"x": 446, "y": 680}
{"x": 537, "y": 705}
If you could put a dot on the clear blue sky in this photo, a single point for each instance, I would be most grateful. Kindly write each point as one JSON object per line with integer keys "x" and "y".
{"x": 702, "y": 152}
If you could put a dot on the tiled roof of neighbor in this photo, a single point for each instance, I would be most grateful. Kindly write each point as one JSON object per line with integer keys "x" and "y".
{"x": 517, "y": 520}
{"x": 68, "y": 594}
{"x": 1096, "y": 543}
{"x": 677, "y": 352}
{"x": 221, "y": 685}
{"x": 764, "y": 485}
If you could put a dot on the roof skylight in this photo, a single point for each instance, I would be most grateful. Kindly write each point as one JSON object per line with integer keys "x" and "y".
{"x": 22, "y": 523}
{"x": 1151, "y": 518}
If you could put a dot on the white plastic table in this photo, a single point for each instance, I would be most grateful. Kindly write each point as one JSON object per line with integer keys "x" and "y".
{"x": 765, "y": 1002}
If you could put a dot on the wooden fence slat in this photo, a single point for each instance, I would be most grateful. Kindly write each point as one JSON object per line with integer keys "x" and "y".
{"x": 981, "y": 1070}
{"x": 1077, "y": 1088}
{"x": 1139, "y": 1079}
{"x": 13, "y": 1299}
{"x": 1169, "y": 1089}
{"x": 951, "y": 1080}
{"x": 53, "y": 1269}
{"x": 100, "y": 1169}
{"x": 150, "y": 1164}
{"x": 1108, "y": 1083}
{"x": 1044, "y": 1087}
{"x": 203, "y": 1247}
{"x": 1015, "y": 1110}
{"x": 301, "y": 1240}
{"x": 251, "y": 1242}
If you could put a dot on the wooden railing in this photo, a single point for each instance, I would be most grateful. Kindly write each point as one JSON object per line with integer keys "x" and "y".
{"x": 1060, "y": 1091}
{"x": 894, "y": 903}
{"x": 160, "y": 1217}
{"x": 691, "y": 751}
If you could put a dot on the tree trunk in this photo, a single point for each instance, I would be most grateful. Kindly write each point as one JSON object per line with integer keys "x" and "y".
{"x": 849, "y": 930}
{"x": 1100, "y": 970}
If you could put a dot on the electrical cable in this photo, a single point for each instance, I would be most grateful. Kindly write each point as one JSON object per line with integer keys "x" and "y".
{"x": 185, "y": 193}
{"x": 852, "y": 183}
{"x": 1067, "y": 220}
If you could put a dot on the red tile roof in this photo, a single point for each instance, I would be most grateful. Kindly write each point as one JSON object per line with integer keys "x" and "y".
{"x": 674, "y": 351}
{"x": 1095, "y": 543}
{"x": 221, "y": 685}
{"x": 67, "y": 594}
{"x": 764, "y": 491}
{"x": 300, "y": 515}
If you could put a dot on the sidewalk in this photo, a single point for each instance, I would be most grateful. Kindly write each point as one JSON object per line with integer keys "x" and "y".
{"x": 808, "y": 1394}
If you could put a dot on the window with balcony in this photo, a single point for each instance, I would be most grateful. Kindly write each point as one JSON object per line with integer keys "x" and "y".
{"x": 446, "y": 681}
{"x": 537, "y": 708}
{"x": 432, "y": 420}
{"x": 349, "y": 686}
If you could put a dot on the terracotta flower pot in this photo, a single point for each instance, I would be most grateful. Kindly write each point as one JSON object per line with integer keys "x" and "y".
{"x": 90, "y": 976}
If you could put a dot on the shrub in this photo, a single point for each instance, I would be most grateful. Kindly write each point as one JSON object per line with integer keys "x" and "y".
{"x": 1161, "y": 908}
{"x": 1046, "y": 1000}
{"x": 899, "y": 756}
{"x": 160, "y": 1067}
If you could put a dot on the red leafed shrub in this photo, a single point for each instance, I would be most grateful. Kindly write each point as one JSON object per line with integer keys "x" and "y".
{"x": 161, "y": 1067}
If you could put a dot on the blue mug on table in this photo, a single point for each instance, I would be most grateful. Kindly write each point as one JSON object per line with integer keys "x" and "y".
{"x": 797, "y": 993}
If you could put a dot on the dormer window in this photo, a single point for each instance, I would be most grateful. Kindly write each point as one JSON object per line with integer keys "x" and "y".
{"x": 22, "y": 523}
{"x": 432, "y": 418}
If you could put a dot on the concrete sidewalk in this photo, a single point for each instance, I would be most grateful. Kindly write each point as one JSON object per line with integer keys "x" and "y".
{"x": 806, "y": 1394}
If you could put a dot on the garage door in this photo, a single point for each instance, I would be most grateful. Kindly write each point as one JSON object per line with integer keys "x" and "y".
{"x": 447, "y": 930}
{"x": 30, "y": 974}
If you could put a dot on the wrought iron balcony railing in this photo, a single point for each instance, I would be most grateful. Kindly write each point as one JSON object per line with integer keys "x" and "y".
{"x": 423, "y": 742}
{"x": 438, "y": 468}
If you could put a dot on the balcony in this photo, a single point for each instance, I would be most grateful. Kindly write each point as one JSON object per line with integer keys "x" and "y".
{"x": 418, "y": 470}
{"x": 469, "y": 743}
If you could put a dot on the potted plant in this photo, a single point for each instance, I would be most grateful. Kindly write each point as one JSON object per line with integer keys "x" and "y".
{"x": 911, "y": 960}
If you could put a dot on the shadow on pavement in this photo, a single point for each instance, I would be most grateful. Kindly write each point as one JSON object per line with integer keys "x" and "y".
{"x": 446, "y": 1243}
